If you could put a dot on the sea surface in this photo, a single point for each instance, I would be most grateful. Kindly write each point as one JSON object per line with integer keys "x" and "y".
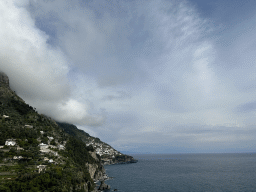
{"x": 185, "y": 172}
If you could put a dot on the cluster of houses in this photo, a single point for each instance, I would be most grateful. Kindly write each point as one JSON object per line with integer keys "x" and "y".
{"x": 44, "y": 148}
{"x": 102, "y": 149}
{"x": 10, "y": 142}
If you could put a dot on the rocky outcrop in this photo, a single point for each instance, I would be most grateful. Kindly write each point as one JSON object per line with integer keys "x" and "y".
{"x": 92, "y": 168}
{"x": 96, "y": 171}
{"x": 99, "y": 174}
{"x": 93, "y": 154}
{"x": 104, "y": 186}
{"x": 4, "y": 80}
{"x": 80, "y": 187}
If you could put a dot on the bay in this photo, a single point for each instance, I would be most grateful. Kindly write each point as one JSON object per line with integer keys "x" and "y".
{"x": 185, "y": 172}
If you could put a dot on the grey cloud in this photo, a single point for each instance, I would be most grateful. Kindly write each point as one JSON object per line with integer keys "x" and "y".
{"x": 168, "y": 98}
{"x": 118, "y": 96}
{"x": 106, "y": 43}
{"x": 192, "y": 140}
{"x": 246, "y": 107}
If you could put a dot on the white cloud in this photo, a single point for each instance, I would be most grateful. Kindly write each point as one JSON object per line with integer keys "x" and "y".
{"x": 186, "y": 86}
{"x": 37, "y": 71}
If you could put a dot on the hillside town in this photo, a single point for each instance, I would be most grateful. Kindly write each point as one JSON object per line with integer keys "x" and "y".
{"x": 103, "y": 149}
{"x": 49, "y": 150}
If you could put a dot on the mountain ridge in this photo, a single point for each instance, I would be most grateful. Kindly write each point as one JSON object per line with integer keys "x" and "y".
{"x": 38, "y": 154}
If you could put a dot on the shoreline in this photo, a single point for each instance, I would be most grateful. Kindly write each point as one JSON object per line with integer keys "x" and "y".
{"x": 121, "y": 162}
{"x": 101, "y": 181}
{"x": 105, "y": 177}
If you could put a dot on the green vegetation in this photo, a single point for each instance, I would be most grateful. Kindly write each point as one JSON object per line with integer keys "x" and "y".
{"x": 78, "y": 151}
{"x": 20, "y": 107}
{"x": 74, "y": 131}
{"x": 54, "y": 179}
{"x": 19, "y": 169}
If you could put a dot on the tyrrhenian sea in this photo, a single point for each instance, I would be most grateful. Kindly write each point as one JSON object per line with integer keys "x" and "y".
{"x": 185, "y": 172}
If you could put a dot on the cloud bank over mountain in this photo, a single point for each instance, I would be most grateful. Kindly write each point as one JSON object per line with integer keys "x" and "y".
{"x": 38, "y": 72}
{"x": 160, "y": 74}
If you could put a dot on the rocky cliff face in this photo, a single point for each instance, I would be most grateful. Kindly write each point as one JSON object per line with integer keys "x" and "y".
{"x": 5, "y": 91}
{"x": 4, "y": 80}
{"x": 92, "y": 169}
{"x": 96, "y": 172}
{"x": 93, "y": 154}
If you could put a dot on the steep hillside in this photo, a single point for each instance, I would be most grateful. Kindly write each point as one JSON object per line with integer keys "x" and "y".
{"x": 105, "y": 152}
{"x": 38, "y": 155}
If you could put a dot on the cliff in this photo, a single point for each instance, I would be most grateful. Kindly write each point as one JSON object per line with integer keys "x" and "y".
{"x": 4, "y": 79}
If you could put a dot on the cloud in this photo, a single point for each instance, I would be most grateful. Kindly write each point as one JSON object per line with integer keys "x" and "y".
{"x": 185, "y": 86}
{"x": 38, "y": 72}
{"x": 247, "y": 107}
{"x": 119, "y": 95}
{"x": 141, "y": 71}
{"x": 191, "y": 139}
{"x": 27, "y": 59}
{"x": 96, "y": 44}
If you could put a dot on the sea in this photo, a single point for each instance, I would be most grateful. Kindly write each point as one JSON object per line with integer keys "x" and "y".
{"x": 185, "y": 172}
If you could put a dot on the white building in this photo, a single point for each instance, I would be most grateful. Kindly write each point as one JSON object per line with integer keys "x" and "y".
{"x": 41, "y": 168}
{"x": 29, "y": 126}
{"x": 50, "y": 138}
{"x": 51, "y": 161}
{"x": 54, "y": 153}
{"x": 61, "y": 147}
{"x": 19, "y": 148}
{"x": 10, "y": 142}
{"x": 17, "y": 157}
{"x": 43, "y": 146}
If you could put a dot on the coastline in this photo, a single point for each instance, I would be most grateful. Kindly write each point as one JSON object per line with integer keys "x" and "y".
{"x": 119, "y": 159}
{"x": 100, "y": 182}
{"x": 185, "y": 172}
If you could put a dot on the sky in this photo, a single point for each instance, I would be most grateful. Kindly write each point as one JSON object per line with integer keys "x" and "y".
{"x": 147, "y": 76}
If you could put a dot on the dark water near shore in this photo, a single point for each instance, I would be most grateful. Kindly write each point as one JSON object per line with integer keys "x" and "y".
{"x": 185, "y": 172}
